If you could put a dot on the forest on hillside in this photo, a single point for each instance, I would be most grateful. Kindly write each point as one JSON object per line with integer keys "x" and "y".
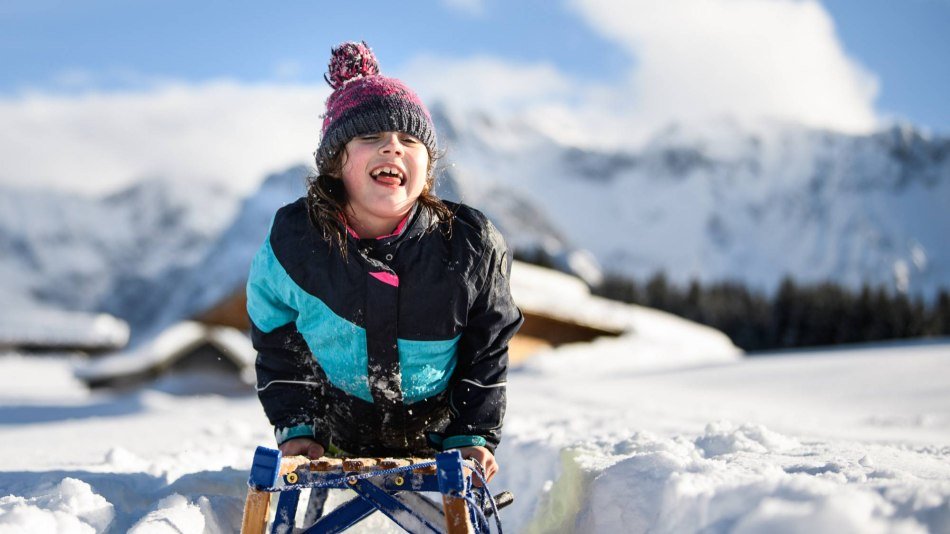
{"x": 797, "y": 315}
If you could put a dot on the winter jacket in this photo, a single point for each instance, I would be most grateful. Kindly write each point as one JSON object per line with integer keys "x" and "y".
{"x": 400, "y": 347}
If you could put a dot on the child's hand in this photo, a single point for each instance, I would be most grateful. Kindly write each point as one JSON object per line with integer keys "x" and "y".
{"x": 302, "y": 446}
{"x": 484, "y": 457}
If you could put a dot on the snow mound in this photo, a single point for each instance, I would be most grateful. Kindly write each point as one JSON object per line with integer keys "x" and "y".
{"x": 732, "y": 478}
{"x": 171, "y": 515}
{"x": 69, "y": 507}
{"x": 723, "y": 438}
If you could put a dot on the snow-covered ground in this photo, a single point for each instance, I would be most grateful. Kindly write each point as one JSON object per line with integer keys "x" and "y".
{"x": 665, "y": 429}
{"x": 824, "y": 442}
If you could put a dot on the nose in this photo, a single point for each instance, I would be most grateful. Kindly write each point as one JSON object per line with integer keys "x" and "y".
{"x": 392, "y": 144}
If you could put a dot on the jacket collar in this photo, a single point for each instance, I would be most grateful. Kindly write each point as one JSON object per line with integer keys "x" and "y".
{"x": 413, "y": 225}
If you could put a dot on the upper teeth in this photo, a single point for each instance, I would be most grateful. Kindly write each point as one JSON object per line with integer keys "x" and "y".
{"x": 388, "y": 170}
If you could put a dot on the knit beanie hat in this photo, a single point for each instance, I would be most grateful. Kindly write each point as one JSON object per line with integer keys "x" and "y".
{"x": 363, "y": 101}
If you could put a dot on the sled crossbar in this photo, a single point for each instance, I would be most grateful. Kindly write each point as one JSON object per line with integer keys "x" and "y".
{"x": 390, "y": 485}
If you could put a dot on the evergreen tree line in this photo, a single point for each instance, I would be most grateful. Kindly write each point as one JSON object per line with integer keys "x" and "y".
{"x": 798, "y": 315}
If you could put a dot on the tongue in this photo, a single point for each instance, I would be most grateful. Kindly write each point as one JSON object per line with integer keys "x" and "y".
{"x": 388, "y": 179}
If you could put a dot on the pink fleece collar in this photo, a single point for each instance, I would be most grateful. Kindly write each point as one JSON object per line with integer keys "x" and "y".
{"x": 399, "y": 227}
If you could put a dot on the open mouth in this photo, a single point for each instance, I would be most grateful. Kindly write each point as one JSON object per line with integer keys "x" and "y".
{"x": 388, "y": 175}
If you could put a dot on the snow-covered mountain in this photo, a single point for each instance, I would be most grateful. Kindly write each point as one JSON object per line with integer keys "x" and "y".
{"x": 717, "y": 201}
{"x": 226, "y": 261}
{"x": 116, "y": 254}
{"x": 750, "y": 202}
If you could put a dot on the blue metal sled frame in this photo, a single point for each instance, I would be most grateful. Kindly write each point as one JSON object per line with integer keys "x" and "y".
{"x": 394, "y": 492}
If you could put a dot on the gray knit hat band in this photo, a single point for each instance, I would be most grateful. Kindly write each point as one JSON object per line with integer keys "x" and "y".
{"x": 388, "y": 114}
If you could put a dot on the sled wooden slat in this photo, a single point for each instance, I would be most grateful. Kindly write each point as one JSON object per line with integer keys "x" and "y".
{"x": 389, "y": 463}
{"x": 430, "y": 470}
{"x": 456, "y": 516}
{"x": 422, "y": 470}
{"x": 327, "y": 464}
{"x": 255, "y": 511}
{"x": 289, "y": 464}
{"x": 360, "y": 465}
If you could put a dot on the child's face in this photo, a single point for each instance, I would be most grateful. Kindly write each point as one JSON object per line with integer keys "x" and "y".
{"x": 384, "y": 173}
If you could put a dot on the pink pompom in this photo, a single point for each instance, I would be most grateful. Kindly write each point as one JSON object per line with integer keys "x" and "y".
{"x": 350, "y": 61}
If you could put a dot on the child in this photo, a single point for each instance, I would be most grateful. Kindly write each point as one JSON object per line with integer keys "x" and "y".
{"x": 381, "y": 314}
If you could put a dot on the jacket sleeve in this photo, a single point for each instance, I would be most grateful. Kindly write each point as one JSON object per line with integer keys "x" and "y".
{"x": 287, "y": 386}
{"x": 478, "y": 395}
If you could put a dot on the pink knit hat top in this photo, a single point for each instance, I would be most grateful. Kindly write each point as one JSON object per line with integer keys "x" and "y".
{"x": 364, "y": 101}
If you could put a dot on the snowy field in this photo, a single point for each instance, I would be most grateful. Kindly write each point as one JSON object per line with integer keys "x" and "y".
{"x": 666, "y": 429}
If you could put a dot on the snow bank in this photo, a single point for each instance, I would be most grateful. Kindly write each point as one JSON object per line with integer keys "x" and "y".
{"x": 172, "y": 514}
{"x": 68, "y": 507}
{"x": 619, "y": 438}
{"x": 729, "y": 480}
{"x": 124, "y": 494}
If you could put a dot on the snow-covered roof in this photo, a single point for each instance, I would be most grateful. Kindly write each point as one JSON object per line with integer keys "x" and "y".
{"x": 168, "y": 348}
{"x": 33, "y": 326}
{"x": 561, "y": 296}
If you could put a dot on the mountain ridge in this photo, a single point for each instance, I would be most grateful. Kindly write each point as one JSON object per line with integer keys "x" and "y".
{"x": 723, "y": 201}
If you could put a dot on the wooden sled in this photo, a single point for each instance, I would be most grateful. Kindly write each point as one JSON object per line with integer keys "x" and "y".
{"x": 390, "y": 485}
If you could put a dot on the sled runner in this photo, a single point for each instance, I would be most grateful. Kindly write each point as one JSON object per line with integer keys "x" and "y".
{"x": 390, "y": 485}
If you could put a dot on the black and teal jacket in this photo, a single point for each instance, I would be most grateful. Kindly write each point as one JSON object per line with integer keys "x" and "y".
{"x": 398, "y": 348}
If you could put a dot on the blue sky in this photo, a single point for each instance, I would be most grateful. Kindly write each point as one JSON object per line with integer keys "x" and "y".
{"x": 111, "y": 44}
{"x": 96, "y": 87}
{"x": 907, "y": 45}
{"x": 250, "y": 40}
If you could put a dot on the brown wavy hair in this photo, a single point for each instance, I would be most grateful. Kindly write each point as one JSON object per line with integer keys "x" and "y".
{"x": 327, "y": 200}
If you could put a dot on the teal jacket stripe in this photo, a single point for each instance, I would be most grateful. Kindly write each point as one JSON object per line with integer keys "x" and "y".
{"x": 426, "y": 367}
{"x": 267, "y": 297}
{"x": 339, "y": 346}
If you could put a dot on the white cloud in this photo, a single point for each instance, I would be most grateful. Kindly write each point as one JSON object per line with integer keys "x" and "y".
{"x": 538, "y": 94}
{"x": 486, "y": 83}
{"x": 747, "y": 59}
{"x": 694, "y": 60}
{"x": 225, "y": 132}
{"x": 96, "y": 142}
